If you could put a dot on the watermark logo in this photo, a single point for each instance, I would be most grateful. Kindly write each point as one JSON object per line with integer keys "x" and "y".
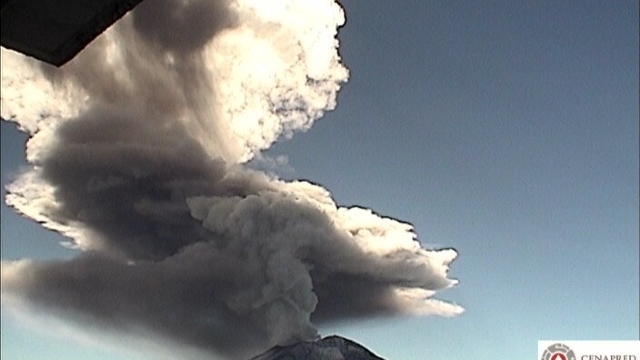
{"x": 558, "y": 351}
{"x": 589, "y": 350}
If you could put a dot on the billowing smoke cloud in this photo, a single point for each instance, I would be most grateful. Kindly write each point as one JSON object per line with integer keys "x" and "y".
{"x": 137, "y": 148}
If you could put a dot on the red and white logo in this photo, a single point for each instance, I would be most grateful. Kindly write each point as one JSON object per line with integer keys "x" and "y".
{"x": 558, "y": 351}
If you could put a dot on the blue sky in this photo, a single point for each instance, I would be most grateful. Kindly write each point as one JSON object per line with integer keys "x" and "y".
{"x": 507, "y": 130}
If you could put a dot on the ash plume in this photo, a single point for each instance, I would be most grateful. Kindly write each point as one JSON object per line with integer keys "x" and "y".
{"x": 137, "y": 149}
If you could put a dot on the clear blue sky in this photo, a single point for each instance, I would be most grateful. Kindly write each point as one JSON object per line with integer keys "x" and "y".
{"x": 507, "y": 130}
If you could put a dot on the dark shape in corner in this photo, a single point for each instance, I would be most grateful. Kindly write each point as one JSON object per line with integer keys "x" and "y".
{"x": 56, "y": 31}
{"x": 328, "y": 348}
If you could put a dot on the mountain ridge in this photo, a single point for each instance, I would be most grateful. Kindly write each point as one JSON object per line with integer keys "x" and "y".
{"x": 331, "y": 347}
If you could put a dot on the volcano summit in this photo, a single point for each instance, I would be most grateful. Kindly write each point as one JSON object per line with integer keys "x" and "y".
{"x": 329, "y": 348}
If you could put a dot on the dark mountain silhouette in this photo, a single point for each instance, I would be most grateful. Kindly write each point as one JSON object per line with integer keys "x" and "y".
{"x": 328, "y": 348}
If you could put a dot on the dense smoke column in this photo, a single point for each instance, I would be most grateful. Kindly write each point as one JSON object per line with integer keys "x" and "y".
{"x": 137, "y": 149}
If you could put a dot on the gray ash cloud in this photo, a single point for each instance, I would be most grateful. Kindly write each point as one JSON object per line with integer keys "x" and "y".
{"x": 137, "y": 150}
